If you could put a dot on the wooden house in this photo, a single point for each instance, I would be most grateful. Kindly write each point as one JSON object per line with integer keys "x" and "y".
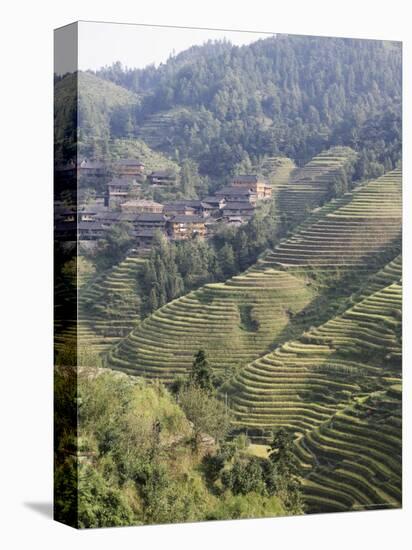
{"x": 142, "y": 205}
{"x": 117, "y": 191}
{"x": 186, "y": 227}
{"x": 92, "y": 169}
{"x": 162, "y": 178}
{"x": 147, "y": 220}
{"x": 238, "y": 209}
{"x": 216, "y": 202}
{"x": 128, "y": 168}
{"x": 237, "y": 193}
{"x": 144, "y": 236}
{"x": 255, "y": 183}
{"x": 187, "y": 208}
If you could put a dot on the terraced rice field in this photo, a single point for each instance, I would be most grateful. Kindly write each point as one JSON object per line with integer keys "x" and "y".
{"x": 109, "y": 307}
{"x": 311, "y": 185}
{"x": 232, "y": 321}
{"x": 278, "y": 171}
{"x": 337, "y": 388}
{"x": 349, "y": 231}
{"x": 354, "y": 460}
{"x": 243, "y": 318}
{"x": 305, "y": 381}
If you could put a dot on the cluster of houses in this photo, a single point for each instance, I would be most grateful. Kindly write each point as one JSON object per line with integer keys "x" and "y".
{"x": 178, "y": 220}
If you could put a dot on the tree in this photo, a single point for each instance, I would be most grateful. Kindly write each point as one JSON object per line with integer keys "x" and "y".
{"x": 208, "y": 414}
{"x": 246, "y": 476}
{"x": 282, "y": 455}
{"x": 226, "y": 259}
{"x": 286, "y": 471}
{"x": 153, "y": 303}
{"x": 112, "y": 249}
{"x": 201, "y": 374}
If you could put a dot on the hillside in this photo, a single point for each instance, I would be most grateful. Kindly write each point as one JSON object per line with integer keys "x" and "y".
{"x": 100, "y": 105}
{"x": 326, "y": 176}
{"x": 222, "y": 105}
{"x": 274, "y": 300}
{"x": 302, "y": 383}
{"x": 137, "y": 149}
{"x": 109, "y": 306}
{"x": 104, "y": 111}
{"x": 138, "y": 458}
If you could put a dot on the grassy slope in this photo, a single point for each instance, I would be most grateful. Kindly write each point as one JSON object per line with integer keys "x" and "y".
{"x": 97, "y": 100}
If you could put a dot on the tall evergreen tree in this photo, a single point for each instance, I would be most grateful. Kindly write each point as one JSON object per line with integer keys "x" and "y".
{"x": 201, "y": 374}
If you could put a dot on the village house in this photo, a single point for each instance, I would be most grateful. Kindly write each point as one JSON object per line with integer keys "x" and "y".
{"x": 188, "y": 208}
{"x": 92, "y": 169}
{"x": 142, "y": 205}
{"x": 216, "y": 203}
{"x": 90, "y": 231}
{"x": 237, "y": 193}
{"x": 235, "y": 221}
{"x": 254, "y": 183}
{"x": 108, "y": 217}
{"x": 117, "y": 191}
{"x": 145, "y": 236}
{"x": 86, "y": 215}
{"x": 162, "y": 178}
{"x": 147, "y": 220}
{"x": 69, "y": 215}
{"x": 186, "y": 227}
{"x": 128, "y": 168}
{"x": 243, "y": 210}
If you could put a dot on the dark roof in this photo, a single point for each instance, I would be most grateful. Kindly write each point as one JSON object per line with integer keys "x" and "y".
{"x": 162, "y": 174}
{"x": 146, "y": 232}
{"x": 150, "y": 216}
{"x": 128, "y": 162}
{"x": 233, "y": 190}
{"x": 187, "y": 219}
{"x": 238, "y": 206}
{"x": 248, "y": 178}
{"x": 93, "y": 164}
{"x": 128, "y": 216}
{"x": 213, "y": 200}
{"x": 120, "y": 182}
{"x": 93, "y": 226}
{"x": 189, "y": 202}
{"x": 109, "y": 215}
{"x": 89, "y": 211}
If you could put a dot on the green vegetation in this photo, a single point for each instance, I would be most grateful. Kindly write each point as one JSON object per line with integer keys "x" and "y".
{"x": 341, "y": 371}
{"x": 134, "y": 460}
{"x": 281, "y": 292}
{"x": 175, "y": 268}
{"x": 110, "y": 305}
{"x": 258, "y": 372}
{"x": 224, "y": 106}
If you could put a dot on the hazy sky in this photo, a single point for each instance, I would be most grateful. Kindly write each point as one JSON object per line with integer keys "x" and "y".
{"x": 138, "y": 45}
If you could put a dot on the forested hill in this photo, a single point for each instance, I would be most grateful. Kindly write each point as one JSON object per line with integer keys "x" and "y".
{"x": 225, "y": 106}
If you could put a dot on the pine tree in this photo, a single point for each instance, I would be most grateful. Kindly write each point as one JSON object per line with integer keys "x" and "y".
{"x": 201, "y": 374}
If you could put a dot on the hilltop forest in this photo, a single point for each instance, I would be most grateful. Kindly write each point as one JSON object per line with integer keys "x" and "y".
{"x": 229, "y": 106}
